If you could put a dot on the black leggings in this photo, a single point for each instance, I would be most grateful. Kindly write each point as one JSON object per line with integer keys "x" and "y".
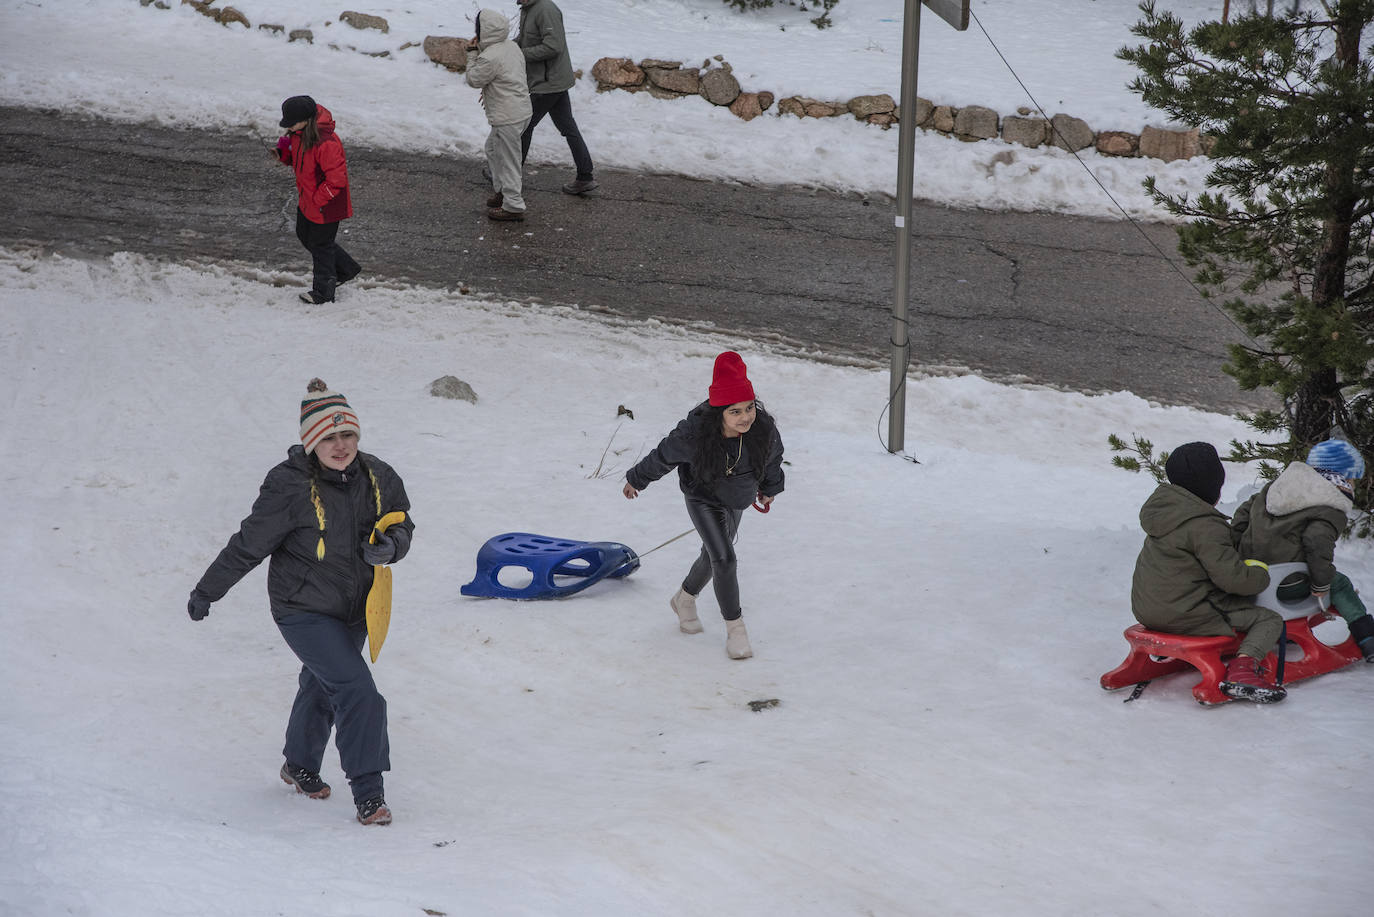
{"x": 717, "y": 526}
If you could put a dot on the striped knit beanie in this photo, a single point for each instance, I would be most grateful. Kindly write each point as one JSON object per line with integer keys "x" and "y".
{"x": 1339, "y": 456}
{"x": 324, "y": 412}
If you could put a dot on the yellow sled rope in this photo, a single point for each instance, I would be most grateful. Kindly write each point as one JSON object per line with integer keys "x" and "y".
{"x": 379, "y": 598}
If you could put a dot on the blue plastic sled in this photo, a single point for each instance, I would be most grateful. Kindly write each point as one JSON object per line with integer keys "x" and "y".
{"x": 578, "y": 563}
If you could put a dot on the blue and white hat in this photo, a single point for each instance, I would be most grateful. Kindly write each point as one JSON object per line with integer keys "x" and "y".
{"x": 1339, "y": 456}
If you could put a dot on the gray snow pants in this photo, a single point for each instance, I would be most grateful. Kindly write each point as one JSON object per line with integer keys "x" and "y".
{"x": 503, "y": 159}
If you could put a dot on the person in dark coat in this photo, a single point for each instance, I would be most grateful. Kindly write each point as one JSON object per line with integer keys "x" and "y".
{"x": 1189, "y": 578}
{"x": 549, "y": 72}
{"x": 314, "y": 517}
{"x": 728, "y": 454}
{"x": 315, "y": 153}
{"x": 1297, "y": 518}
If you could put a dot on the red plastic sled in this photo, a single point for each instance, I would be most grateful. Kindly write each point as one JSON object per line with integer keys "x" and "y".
{"x": 1209, "y": 655}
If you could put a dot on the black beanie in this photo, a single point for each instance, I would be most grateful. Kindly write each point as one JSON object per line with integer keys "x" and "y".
{"x": 297, "y": 109}
{"x": 1197, "y": 469}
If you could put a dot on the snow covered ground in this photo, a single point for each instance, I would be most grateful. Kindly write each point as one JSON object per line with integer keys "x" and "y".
{"x": 933, "y": 632}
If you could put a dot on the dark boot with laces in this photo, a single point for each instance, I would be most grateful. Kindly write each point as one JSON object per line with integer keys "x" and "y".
{"x": 307, "y": 782}
{"x": 374, "y": 811}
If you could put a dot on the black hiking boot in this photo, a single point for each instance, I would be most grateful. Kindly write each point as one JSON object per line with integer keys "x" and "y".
{"x": 374, "y": 812}
{"x": 307, "y": 782}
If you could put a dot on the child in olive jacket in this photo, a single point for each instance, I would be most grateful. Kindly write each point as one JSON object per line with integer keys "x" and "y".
{"x": 1297, "y": 517}
{"x": 1189, "y": 578}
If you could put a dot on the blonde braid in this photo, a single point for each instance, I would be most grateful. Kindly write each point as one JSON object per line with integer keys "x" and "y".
{"x": 319, "y": 505}
{"x": 376, "y": 488}
{"x": 319, "y": 514}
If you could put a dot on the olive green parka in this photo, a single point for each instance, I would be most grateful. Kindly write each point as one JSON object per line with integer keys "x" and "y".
{"x": 542, "y": 39}
{"x": 1188, "y": 560}
{"x": 1296, "y": 517}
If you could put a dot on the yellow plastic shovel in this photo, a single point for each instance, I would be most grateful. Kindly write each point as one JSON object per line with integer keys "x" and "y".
{"x": 379, "y": 598}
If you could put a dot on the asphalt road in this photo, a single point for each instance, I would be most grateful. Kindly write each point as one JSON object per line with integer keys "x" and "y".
{"x": 1082, "y": 304}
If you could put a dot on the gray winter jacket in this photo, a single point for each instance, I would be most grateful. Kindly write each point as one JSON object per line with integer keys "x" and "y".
{"x": 499, "y": 71}
{"x": 284, "y": 525}
{"x": 548, "y": 66}
{"x": 1187, "y": 560}
{"x": 1296, "y": 517}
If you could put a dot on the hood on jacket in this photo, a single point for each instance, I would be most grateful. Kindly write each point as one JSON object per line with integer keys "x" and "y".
{"x": 492, "y": 28}
{"x": 1169, "y": 507}
{"x": 324, "y": 121}
{"x": 1300, "y": 486}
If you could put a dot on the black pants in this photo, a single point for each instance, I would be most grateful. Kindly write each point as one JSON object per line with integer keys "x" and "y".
{"x": 332, "y": 264}
{"x": 557, "y": 106}
{"x": 717, "y": 526}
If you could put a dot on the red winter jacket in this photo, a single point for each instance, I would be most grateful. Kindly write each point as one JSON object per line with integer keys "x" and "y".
{"x": 321, "y": 173}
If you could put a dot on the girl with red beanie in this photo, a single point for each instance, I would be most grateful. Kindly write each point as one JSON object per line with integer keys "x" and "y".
{"x": 728, "y": 453}
{"x": 314, "y": 151}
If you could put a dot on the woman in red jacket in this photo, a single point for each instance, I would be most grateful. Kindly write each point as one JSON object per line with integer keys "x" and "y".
{"x": 313, "y": 149}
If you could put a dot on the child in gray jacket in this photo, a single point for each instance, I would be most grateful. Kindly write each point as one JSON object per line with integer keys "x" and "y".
{"x": 498, "y": 69}
{"x": 1298, "y": 517}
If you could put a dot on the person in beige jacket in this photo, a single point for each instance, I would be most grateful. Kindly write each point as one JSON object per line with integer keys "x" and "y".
{"x": 1190, "y": 579}
{"x": 498, "y": 69}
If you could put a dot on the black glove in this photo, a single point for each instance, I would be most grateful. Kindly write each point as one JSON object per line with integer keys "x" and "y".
{"x": 391, "y": 546}
{"x": 198, "y": 607}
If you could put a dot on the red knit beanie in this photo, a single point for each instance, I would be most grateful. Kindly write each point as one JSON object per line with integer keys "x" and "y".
{"x": 729, "y": 384}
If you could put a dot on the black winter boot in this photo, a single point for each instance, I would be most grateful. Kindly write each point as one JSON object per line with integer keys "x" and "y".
{"x": 374, "y": 811}
{"x": 307, "y": 782}
{"x": 1362, "y": 629}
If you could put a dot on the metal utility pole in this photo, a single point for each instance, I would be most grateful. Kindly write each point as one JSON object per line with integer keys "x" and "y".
{"x": 955, "y": 12}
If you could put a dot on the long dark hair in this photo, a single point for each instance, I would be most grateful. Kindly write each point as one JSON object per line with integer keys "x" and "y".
{"x": 709, "y": 463}
{"x": 310, "y": 134}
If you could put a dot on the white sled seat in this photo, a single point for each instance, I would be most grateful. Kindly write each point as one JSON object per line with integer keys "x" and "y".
{"x": 1304, "y": 607}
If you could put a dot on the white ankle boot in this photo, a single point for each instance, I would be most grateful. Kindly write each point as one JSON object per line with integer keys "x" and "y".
{"x": 685, "y": 604}
{"x": 737, "y": 640}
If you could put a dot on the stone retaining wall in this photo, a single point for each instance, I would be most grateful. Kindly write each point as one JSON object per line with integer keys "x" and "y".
{"x": 714, "y": 81}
